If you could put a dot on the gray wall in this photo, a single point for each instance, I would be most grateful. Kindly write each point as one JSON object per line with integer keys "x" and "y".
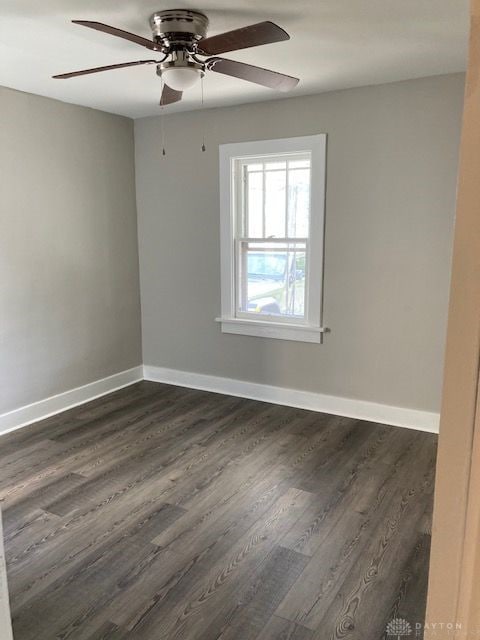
{"x": 69, "y": 293}
{"x": 392, "y": 162}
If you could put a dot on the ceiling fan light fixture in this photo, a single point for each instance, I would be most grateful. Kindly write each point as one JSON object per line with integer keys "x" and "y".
{"x": 181, "y": 72}
{"x": 181, "y": 78}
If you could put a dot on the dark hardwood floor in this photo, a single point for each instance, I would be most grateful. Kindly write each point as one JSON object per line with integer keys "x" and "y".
{"x": 165, "y": 513}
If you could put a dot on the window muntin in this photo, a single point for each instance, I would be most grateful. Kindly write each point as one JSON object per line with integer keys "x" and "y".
{"x": 272, "y": 221}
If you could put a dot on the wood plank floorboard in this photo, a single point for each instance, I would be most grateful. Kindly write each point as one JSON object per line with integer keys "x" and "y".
{"x": 163, "y": 513}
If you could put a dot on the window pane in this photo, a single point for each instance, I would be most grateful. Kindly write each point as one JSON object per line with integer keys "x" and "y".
{"x": 255, "y": 167}
{"x": 272, "y": 279}
{"x": 298, "y": 203}
{"x": 255, "y": 205}
{"x": 299, "y": 164}
{"x": 272, "y": 166}
{"x": 275, "y": 204}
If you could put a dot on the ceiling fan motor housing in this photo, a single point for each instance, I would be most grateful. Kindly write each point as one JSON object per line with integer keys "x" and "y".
{"x": 178, "y": 26}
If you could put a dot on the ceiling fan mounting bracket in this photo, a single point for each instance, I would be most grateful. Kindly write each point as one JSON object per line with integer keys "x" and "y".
{"x": 178, "y": 26}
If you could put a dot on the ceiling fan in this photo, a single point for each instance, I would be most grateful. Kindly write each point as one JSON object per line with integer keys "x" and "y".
{"x": 180, "y": 36}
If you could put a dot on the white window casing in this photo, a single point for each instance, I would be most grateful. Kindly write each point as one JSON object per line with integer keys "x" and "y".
{"x": 304, "y": 322}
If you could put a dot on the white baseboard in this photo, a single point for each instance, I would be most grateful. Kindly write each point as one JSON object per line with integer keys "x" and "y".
{"x": 359, "y": 409}
{"x": 55, "y": 404}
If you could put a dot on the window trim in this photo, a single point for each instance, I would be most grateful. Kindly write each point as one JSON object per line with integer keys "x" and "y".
{"x": 310, "y": 329}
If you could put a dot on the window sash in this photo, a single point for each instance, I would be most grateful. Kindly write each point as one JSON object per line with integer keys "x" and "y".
{"x": 241, "y": 185}
{"x": 298, "y": 245}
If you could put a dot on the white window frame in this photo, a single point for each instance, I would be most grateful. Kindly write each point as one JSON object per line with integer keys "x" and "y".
{"x": 310, "y": 329}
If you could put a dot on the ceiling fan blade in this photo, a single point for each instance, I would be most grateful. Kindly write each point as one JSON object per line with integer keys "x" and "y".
{"x": 265, "y": 77}
{"x": 72, "y": 74}
{"x": 251, "y": 36}
{"x": 169, "y": 95}
{"x": 120, "y": 33}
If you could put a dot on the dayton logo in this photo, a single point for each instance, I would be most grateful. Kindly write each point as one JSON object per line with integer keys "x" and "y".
{"x": 399, "y": 628}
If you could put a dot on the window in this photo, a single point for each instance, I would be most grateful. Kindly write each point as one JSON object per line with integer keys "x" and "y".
{"x": 272, "y": 197}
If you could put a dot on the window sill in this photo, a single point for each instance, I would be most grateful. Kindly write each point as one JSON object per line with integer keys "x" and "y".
{"x": 278, "y": 330}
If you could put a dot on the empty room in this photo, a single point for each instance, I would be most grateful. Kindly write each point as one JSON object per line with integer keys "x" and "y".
{"x": 239, "y": 320}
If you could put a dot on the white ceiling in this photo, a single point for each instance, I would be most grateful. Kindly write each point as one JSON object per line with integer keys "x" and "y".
{"x": 334, "y": 44}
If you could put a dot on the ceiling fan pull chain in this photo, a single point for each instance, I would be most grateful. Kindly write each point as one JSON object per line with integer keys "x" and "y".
{"x": 203, "y": 118}
{"x": 162, "y": 124}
